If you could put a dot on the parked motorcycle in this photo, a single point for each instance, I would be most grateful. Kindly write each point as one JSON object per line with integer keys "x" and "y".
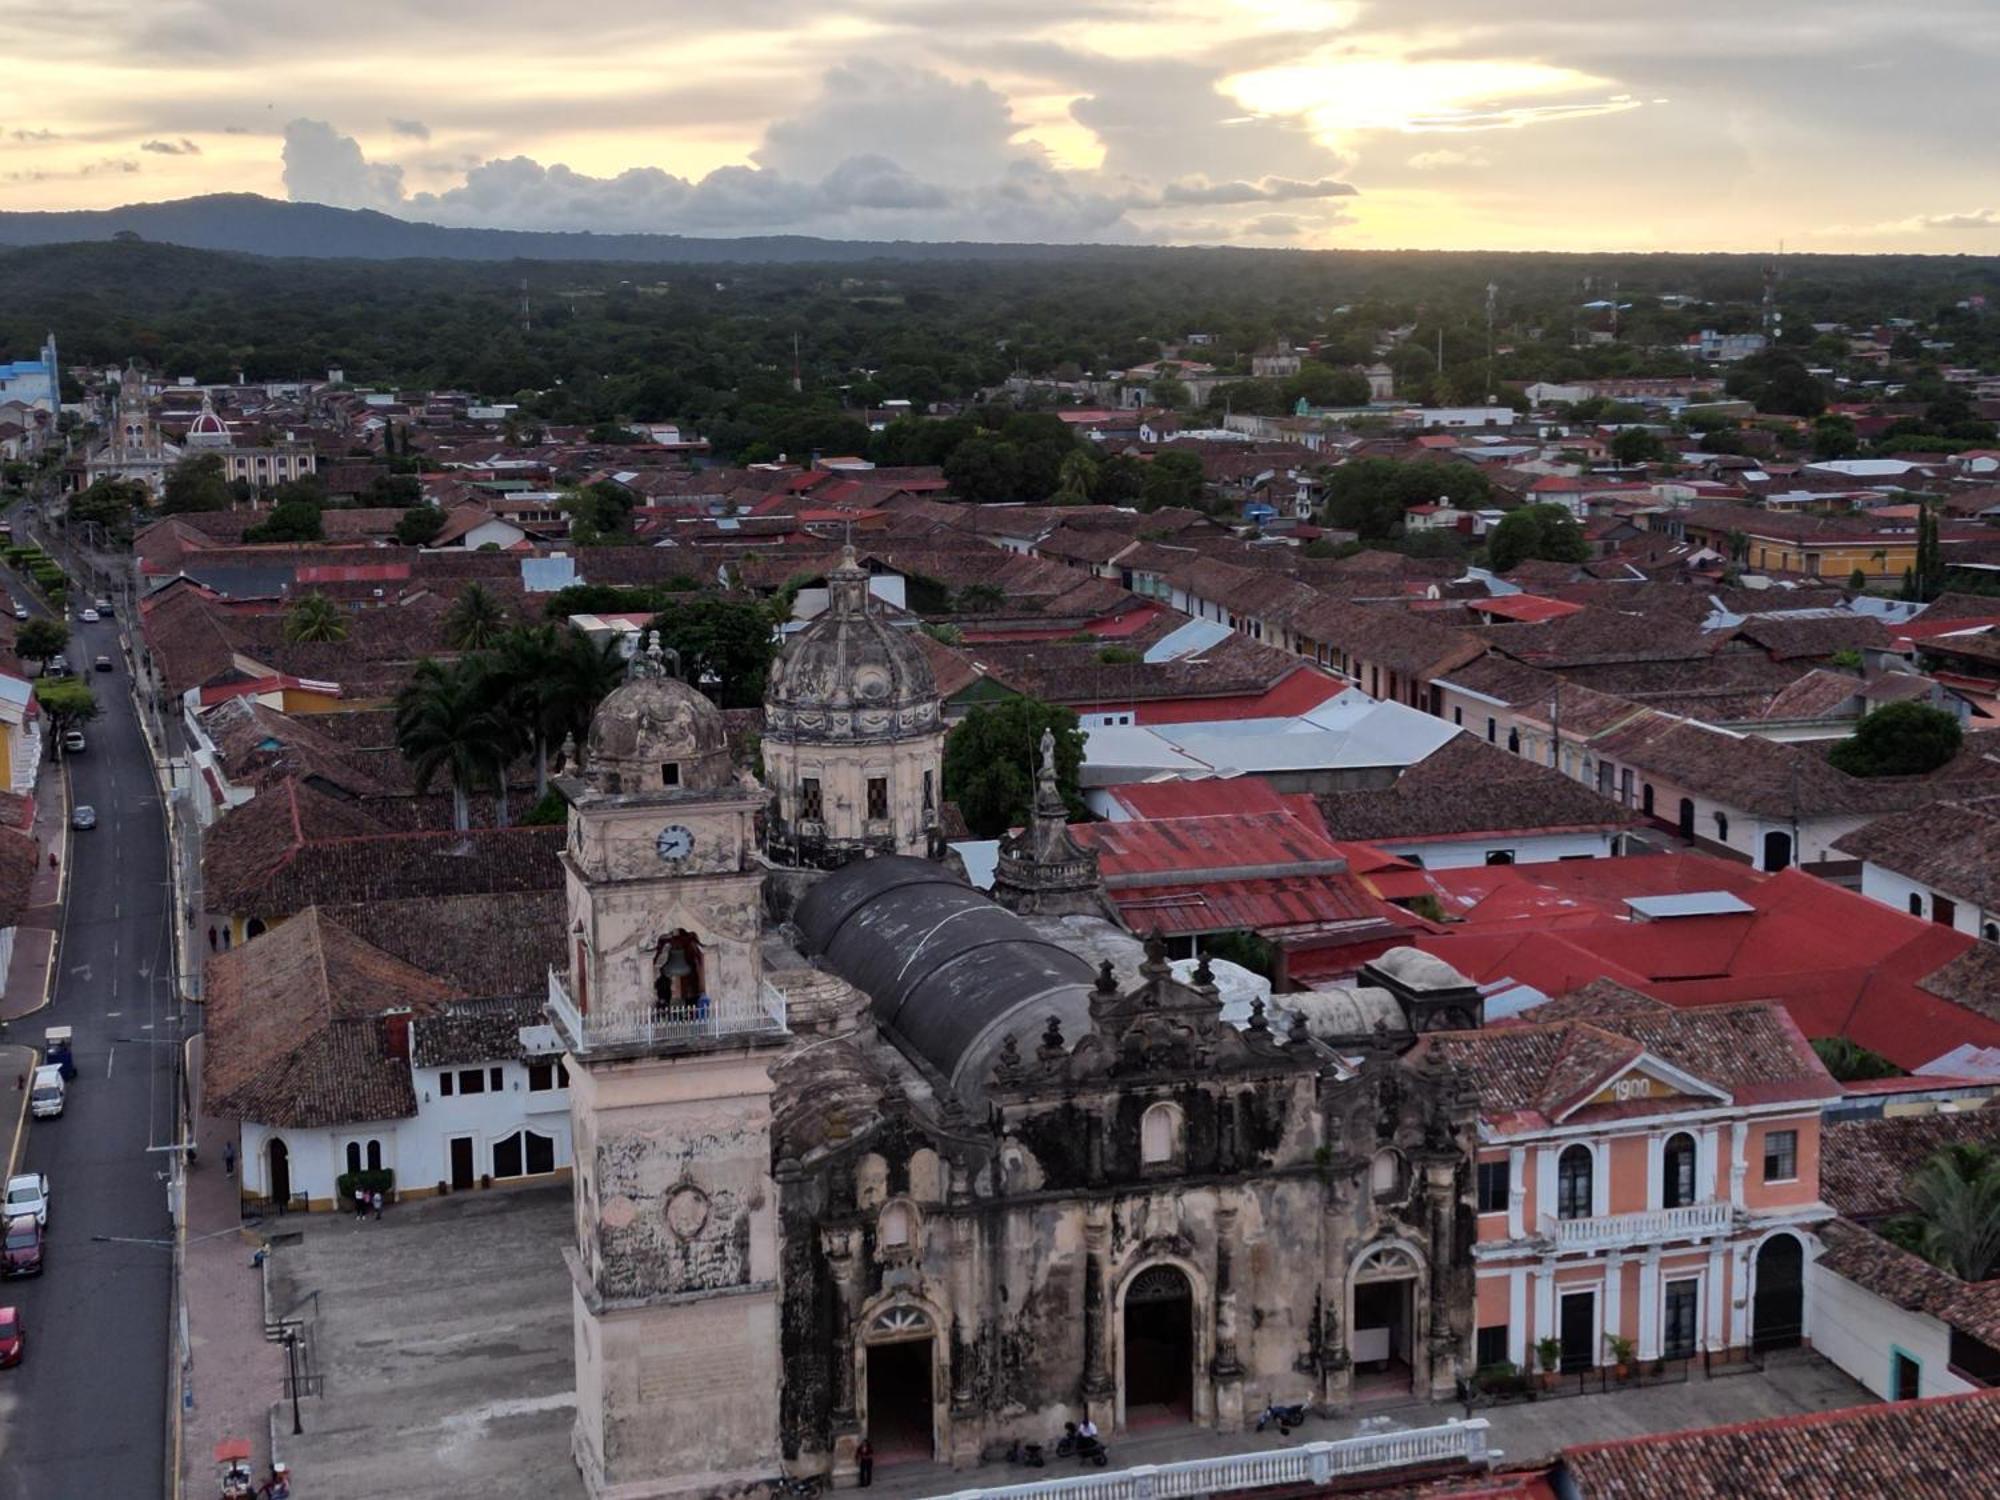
{"x": 1287, "y": 1417}
{"x": 1027, "y": 1453}
{"x": 1083, "y": 1447}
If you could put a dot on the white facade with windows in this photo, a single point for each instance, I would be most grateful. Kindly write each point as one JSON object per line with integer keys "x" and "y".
{"x": 1864, "y": 1333}
{"x": 1879, "y": 883}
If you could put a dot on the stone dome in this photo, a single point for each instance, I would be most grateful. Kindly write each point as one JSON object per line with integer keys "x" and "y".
{"x": 850, "y": 676}
{"x": 656, "y": 733}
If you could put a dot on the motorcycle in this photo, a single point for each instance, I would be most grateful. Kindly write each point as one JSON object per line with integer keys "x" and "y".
{"x": 1083, "y": 1447}
{"x": 1027, "y": 1453}
{"x": 1287, "y": 1417}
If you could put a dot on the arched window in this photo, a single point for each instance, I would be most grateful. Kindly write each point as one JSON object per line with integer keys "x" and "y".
{"x": 1514, "y": 741}
{"x": 524, "y": 1153}
{"x": 1916, "y": 903}
{"x": 374, "y": 1156}
{"x": 1160, "y": 1136}
{"x": 1677, "y": 1171}
{"x": 354, "y": 1156}
{"x": 895, "y": 1227}
{"x": 1990, "y": 931}
{"x": 1722, "y": 825}
{"x": 1573, "y": 1185}
{"x": 1646, "y": 799}
{"x": 1385, "y": 1173}
{"x": 677, "y": 969}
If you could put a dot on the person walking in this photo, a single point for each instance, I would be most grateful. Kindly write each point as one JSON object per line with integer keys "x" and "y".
{"x": 864, "y": 1459}
{"x": 360, "y": 1203}
{"x": 375, "y": 1201}
{"x": 229, "y": 1159}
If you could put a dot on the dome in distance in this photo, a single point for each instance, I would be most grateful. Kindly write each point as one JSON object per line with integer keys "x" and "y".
{"x": 657, "y": 734}
{"x": 850, "y": 675}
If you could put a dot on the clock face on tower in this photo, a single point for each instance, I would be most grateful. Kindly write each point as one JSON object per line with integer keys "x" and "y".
{"x": 674, "y": 842}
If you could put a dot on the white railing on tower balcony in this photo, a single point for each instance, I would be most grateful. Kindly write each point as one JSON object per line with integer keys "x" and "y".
{"x": 761, "y": 1013}
{"x": 1647, "y": 1227}
{"x": 1307, "y": 1464}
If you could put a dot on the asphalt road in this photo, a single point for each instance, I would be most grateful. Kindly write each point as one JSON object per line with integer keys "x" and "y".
{"x": 85, "y": 1412}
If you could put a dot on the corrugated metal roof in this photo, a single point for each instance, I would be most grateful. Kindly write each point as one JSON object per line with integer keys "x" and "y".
{"x": 1249, "y": 841}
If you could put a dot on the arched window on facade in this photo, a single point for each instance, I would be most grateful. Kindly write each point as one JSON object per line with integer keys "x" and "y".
{"x": 1721, "y": 826}
{"x": 1573, "y": 1183}
{"x": 1677, "y": 1171}
{"x": 1916, "y": 903}
{"x": 354, "y": 1156}
{"x": 895, "y": 1227}
{"x": 1385, "y": 1173}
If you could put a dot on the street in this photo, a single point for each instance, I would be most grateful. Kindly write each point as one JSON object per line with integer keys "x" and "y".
{"x": 85, "y": 1414}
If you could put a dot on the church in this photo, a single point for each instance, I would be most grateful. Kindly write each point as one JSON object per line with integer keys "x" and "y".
{"x": 863, "y": 1153}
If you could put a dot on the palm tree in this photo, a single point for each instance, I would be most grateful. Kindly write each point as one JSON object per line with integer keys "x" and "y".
{"x": 1075, "y": 478}
{"x": 584, "y": 673}
{"x": 448, "y": 721}
{"x": 315, "y": 619}
{"x": 1957, "y": 1221}
{"x": 476, "y": 620}
{"x": 524, "y": 676}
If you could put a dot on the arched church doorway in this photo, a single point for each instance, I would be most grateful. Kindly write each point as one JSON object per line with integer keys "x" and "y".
{"x": 1777, "y": 851}
{"x": 279, "y": 1173}
{"x": 677, "y": 978}
{"x": 1778, "y": 1311}
{"x": 1383, "y": 1341}
{"x": 1159, "y": 1347}
{"x": 900, "y": 1354}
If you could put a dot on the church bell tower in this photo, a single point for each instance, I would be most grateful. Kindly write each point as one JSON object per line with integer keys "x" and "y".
{"x": 671, "y": 1028}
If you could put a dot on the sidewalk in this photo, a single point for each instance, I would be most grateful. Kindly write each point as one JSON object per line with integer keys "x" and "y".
{"x": 16, "y": 1063}
{"x": 234, "y": 1373}
{"x": 31, "y": 975}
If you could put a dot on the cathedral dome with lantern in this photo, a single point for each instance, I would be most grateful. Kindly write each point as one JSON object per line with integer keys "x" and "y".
{"x": 656, "y": 733}
{"x": 850, "y": 675}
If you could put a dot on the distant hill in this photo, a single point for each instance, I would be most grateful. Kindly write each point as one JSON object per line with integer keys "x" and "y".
{"x": 264, "y": 226}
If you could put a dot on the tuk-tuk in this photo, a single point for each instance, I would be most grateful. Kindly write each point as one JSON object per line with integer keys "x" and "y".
{"x": 232, "y": 1459}
{"x": 57, "y": 1053}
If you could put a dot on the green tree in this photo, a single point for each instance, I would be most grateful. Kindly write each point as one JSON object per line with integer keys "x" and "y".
{"x": 419, "y": 524}
{"x": 1899, "y": 739}
{"x": 1370, "y": 496}
{"x": 450, "y": 722}
{"x": 1850, "y": 1062}
{"x": 39, "y": 639}
{"x": 1834, "y": 437}
{"x": 1632, "y": 446}
{"x": 1323, "y": 385}
{"x": 985, "y": 469}
{"x": 109, "y": 503}
{"x": 1169, "y": 392}
{"x": 195, "y": 484}
{"x": 1121, "y": 480}
{"x": 992, "y": 756}
{"x": 1548, "y": 532}
{"x": 1956, "y": 1222}
{"x": 476, "y": 619}
{"x": 725, "y": 646}
{"x": 1075, "y": 479}
{"x": 1172, "y": 478}
{"x": 290, "y": 521}
{"x": 1857, "y": 581}
{"x": 582, "y": 674}
{"x": 314, "y": 619}
{"x": 68, "y": 702}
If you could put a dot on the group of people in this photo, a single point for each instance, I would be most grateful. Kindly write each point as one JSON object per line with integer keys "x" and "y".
{"x": 365, "y": 1200}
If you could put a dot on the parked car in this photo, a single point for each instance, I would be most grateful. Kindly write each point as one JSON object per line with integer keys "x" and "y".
{"x": 13, "y": 1338}
{"x": 22, "y": 1253}
{"x": 47, "y": 1093}
{"x": 27, "y": 1194}
{"x": 103, "y": 607}
{"x": 83, "y": 816}
{"x": 73, "y": 742}
{"x": 103, "y": 662}
{"x": 58, "y": 666}
{"x": 20, "y": 610}
{"x": 89, "y": 617}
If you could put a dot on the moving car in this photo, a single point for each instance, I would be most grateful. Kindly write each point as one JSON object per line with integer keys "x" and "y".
{"x": 73, "y": 743}
{"x": 89, "y": 617}
{"x": 103, "y": 607}
{"x": 83, "y": 816}
{"x": 27, "y": 1194}
{"x": 21, "y": 1254}
{"x": 13, "y": 1338}
{"x": 47, "y": 1093}
{"x": 103, "y": 662}
{"x": 20, "y": 610}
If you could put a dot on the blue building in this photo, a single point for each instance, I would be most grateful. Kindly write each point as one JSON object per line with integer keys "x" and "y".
{"x": 34, "y": 382}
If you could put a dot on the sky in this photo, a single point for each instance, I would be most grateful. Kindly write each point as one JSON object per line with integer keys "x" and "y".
{"x": 1455, "y": 124}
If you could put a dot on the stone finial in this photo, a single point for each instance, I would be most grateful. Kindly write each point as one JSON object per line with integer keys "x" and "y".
{"x": 566, "y": 756}
{"x": 1048, "y": 752}
{"x": 1204, "y": 976}
{"x": 649, "y": 659}
{"x": 1107, "y": 980}
{"x": 1259, "y": 1022}
{"x": 1156, "y": 955}
{"x": 1052, "y": 1039}
{"x": 1007, "y": 1066}
{"x": 1298, "y": 1036}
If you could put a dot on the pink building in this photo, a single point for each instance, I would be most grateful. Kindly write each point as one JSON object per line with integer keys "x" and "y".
{"x": 1645, "y": 1172}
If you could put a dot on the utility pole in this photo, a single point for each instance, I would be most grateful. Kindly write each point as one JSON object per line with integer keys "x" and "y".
{"x": 1492, "y": 291}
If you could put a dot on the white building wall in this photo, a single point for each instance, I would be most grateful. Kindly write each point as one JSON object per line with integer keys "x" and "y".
{"x": 1528, "y": 849}
{"x": 1896, "y": 890}
{"x": 1860, "y": 1332}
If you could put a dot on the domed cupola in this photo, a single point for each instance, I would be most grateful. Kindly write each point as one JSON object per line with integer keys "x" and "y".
{"x": 656, "y": 734}
{"x": 853, "y": 733}
{"x": 208, "y": 430}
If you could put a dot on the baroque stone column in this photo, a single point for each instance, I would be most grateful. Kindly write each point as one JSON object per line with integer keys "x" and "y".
{"x": 1099, "y": 1390}
{"x": 1336, "y": 1367}
{"x": 842, "y": 1250}
{"x": 1445, "y": 1335}
{"x": 1226, "y": 1367}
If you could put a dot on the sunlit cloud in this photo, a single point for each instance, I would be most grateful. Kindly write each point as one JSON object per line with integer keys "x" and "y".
{"x": 1344, "y": 93}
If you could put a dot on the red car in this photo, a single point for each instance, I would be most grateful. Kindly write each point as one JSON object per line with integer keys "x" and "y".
{"x": 23, "y": 1252}
{"x": 13, "y": 1338}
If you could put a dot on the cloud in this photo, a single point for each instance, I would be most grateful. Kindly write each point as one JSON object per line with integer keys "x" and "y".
{"x": 415, "y": 129}
{"x": 1436, "y": 161}
{"x": 323, "y": 166}
{"x": 114, "y": 166}
{"x": 1269, "y": 190}
{"x": 33, "y": 137}
{"x": 181, "y": 147}
{"x": 1978, "y": 218}
{"x": 1276, "y": 226}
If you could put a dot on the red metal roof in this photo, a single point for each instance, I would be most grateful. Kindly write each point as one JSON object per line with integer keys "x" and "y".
{"x": 1527, "y": 608}
{"x": 1299, "y": 691}
{"x": 356, "y": 573}
{"x": 1168, "y": 846}
{"x": 1257, "y": 905}
{"x": 1220, "y": 796}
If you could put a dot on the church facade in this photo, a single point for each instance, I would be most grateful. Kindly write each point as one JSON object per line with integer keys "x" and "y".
{"x": 901, "y": 1164}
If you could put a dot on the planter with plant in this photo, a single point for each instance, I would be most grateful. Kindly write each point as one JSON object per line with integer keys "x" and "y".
{"x": 1621, "y": 1354}
{"x": 1550, "y": 1352}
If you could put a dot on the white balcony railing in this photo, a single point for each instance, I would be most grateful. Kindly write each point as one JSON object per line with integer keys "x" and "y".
{"x": 1648, "y": 1227}
{"x": 1308, "y": 1463}
{"x": 758, "y": 1014}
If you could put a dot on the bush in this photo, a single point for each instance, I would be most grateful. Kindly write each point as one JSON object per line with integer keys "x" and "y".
{"x": 382, "y": 1181}
{"x": 1500, "y": 1378}
{"x": 1900, "y": 739}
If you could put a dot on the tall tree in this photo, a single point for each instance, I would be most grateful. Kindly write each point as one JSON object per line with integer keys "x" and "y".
{"x": 476, "y": 619}
{"x": 39, "y": 639}
{"x": 725, "y": 646}
{"x": 195, "y": 484}
{"x": 449, "y": 723}
{"x": 990, "y": 760}
{"x": 1075, "y": 478}
{"x": 1548, "y": 532}
{"x": 314, "y": 619}
{"x": 68, "y": 701}
{"x": 1956, "y": 1224}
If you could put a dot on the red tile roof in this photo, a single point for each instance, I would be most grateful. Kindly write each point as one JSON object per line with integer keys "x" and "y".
{"x": 1528, "y": 608}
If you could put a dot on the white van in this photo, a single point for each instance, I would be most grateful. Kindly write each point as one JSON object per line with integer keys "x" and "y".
{"x": 46, "y": 1098}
